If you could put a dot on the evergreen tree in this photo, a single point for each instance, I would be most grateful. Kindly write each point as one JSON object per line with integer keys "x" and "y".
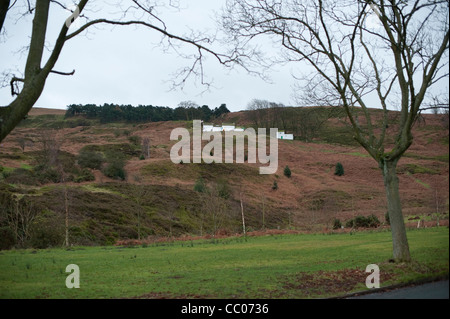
{"x": 275, "y": 185}
{"x": 287, "y": 171}
{"x": 339, "y": 170}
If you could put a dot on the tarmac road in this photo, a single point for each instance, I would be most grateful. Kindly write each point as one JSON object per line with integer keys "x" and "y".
{"x": 432, "y": 290}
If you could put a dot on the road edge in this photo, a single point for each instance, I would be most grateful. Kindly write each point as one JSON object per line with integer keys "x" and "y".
{"x": 393, "y": 287}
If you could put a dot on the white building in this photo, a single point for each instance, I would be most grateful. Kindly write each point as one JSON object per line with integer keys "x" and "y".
{"x": 228, "y": 127}
{"x": 207, "y": 127}
{"x": 283, "y": 136}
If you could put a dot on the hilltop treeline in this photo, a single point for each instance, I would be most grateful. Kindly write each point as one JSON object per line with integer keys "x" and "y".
{"x": 306, "y": 123}
{"x": 107, "y": 113}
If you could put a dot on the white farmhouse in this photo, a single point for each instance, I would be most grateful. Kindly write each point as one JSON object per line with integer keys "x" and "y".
{"x": 283, "y": 136}
{"x": 228, "y": 127}
{"x": 207, "y": 127}
{"x": 225, "y": 127}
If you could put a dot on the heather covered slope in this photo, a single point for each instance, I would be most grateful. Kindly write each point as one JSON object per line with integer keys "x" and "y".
{"x": 157, "y": 197}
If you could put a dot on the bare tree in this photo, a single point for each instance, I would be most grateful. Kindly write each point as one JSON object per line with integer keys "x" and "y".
{"x": 242, "y": 214}
{"x": 189, "y": 108}
{"x": 306, "y": 122}
{"x": 27, "y": 88}
{"x": 139, "y": 195}
{"x": 393, "y": 51}
{"x": 282, "y": 116}
{"x": 24, "y": 142}
{"x": 66, "y": 196}
{"x": 215, "y": 206}
{"x": 259, "y": 111}
{"x": 263, "y": 199}
{"x": 146, "y": 147}
{"x": 438, "y": 201}
{"x": 50, "y": 146}
{"x": 20, "y": 215}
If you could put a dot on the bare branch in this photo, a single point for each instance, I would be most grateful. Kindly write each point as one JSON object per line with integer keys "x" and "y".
{"x": 222, "y": 58}
{"x": 63, "y": 73}
{"x": 13, "y": 84}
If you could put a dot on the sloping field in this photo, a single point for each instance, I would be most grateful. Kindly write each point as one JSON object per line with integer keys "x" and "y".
{"x": 273, "y": 266}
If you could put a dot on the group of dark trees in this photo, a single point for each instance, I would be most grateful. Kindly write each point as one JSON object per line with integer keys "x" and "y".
{"x": 186, "y": 111}
{"x": 304, "y": 122}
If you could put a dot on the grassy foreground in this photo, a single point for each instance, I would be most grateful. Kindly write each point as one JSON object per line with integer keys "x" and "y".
{"x": 277, "y": 266}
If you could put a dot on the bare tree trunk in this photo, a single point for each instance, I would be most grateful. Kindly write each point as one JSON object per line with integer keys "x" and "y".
{"x": 437, "y": 207}
{"x": 146, "y": 147}
{"x": 4, "y": 5}
{"x": 20, "y": 217}
{"x": 263, "y": 211}
{"x": 66, "y": 207}
{"x": 139, "y": 223}
{"x": 14, "y": 219}
{"x": 398, "y": 230}
{"x": 243, "y": 216}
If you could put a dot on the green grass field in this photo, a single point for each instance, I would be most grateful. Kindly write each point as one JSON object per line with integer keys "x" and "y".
{"x": 274, "y": 266}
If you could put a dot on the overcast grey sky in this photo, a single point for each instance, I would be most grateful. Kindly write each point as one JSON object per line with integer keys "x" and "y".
{"x": 125, "y": 65}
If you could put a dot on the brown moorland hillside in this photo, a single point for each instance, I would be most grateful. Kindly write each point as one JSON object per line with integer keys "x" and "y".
{"x": 157, "y": 197}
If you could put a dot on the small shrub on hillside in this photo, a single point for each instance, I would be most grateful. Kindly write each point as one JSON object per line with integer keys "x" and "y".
{"x": 115, "y": 165}
{"x": 223, "y": 189}
{"x": 90, "y": 159}
{"x": 350, "y": 223}
{"x": 200, "y": 185}
{"x": 337, "y": 224}
{"x": 134, "y": 139}
{"x": 339, "y": 170}
{"x": 117, "y": 132}
{"x": 48, "y": 174}
{"x": 47, "y": 231}
{"x": 85, "y": 176}
{"x": 115, "y": 170}
{"x": 373, "y": 221}
{"x": 287, "y": 171}
{"x": 275, "y": 185}
{"x": 22, "y": 176}
{"x": 77, "y": 122}
{"x": 365, "y": 222}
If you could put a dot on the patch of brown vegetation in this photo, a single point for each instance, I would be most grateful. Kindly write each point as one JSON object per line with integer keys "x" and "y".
{"x": 222, "y": 233}
{"x": 329, "y": 282}
{"x": 310, "y": 200}
{"x": 45, "y": 111}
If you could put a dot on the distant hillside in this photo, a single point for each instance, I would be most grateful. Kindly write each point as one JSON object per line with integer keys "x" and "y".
{"x": 112, "y": 191}
{"x": 36, "y": 111}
